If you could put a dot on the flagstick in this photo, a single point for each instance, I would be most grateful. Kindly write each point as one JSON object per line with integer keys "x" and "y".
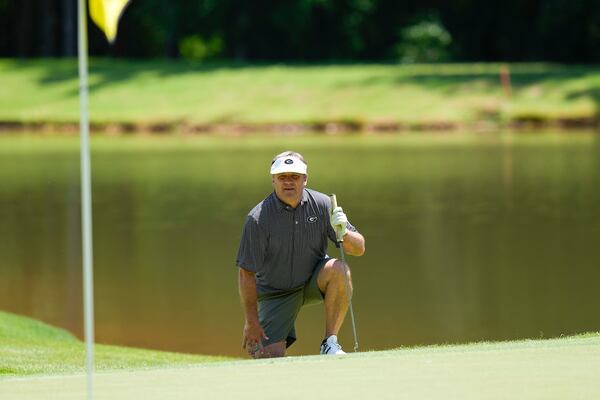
{"x": 86, "y": 201}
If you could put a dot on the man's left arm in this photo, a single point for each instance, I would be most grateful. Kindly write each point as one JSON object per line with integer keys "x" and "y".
{"x": 354, "y": 243}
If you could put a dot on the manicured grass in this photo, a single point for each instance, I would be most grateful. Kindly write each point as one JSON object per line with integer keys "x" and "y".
{"x": 565, "y": 368}
{"x": 30, "y": 347}
{"x": 529, "y": 369}
{"x": 146, "y": 92}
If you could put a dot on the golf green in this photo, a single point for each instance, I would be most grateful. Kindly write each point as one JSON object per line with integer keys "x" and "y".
{"x": 541, "y": 369}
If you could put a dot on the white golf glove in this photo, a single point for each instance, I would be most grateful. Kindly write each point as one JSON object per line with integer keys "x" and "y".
{"x": 339, "y": 220}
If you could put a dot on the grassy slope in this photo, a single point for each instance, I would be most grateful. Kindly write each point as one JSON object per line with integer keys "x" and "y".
{"x": 32, "y": 347}
{"x": 532, "y": 369}
{"x": 565, "y": 368}
{"x": 157, "y": 91}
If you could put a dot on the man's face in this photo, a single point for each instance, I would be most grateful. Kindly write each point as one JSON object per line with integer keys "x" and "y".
{"x": 289, "y": 187}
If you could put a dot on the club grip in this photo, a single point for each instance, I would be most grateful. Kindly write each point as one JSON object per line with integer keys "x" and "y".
{"x": 337, "y": 228}
{"x": 333, "y": 201}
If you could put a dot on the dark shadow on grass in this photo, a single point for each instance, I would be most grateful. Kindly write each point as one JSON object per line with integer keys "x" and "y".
{"x": 592, "y": 93}
{"x": 452, "y": 79}
{"x": 107, "y": 72}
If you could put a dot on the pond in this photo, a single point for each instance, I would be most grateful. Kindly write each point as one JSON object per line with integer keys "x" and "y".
{"x": 469, "y": 237}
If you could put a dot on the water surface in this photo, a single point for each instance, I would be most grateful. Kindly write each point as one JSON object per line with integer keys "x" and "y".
{"x": 468, "y": 237}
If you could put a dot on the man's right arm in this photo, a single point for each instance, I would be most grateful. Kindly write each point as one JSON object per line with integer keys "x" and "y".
{"x": 248, "y": 295}
{"x": 253, "y": 332}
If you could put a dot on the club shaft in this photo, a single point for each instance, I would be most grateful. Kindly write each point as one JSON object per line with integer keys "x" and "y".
{"x": 343, "y": 256}
{"x": 340, "y": 240}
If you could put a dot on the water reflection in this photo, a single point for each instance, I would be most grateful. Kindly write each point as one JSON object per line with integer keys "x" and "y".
{"x": 468, "y": 238}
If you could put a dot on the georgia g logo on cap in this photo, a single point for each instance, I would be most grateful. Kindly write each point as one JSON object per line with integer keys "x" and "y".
{"x": 288, "y": 164}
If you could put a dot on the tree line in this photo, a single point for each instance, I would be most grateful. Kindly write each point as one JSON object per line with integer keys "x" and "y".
{"x": 316, "y": 30}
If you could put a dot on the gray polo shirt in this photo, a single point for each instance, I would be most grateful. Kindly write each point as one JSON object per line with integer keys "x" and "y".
{"x": 283, "y": 245}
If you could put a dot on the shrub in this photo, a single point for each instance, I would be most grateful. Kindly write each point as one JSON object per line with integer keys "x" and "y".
{"x": 196, "y": 48}
{"x": 425, "y": 41}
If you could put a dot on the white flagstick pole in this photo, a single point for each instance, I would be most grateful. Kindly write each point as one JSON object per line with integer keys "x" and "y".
{"x": 86, "y": 200}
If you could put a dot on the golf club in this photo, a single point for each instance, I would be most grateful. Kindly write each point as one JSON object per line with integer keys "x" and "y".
{"x": 340, "y": 241}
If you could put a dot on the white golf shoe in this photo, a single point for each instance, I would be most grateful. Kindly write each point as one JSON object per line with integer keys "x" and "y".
{"x": 331, "y": 347}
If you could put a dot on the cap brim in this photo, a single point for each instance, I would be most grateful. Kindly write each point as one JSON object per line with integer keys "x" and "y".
{"x": 294, "y": 169}
{"x": 288, "y": 164}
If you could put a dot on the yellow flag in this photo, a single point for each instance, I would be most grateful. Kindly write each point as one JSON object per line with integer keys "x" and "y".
{"x": 106, "y": 14}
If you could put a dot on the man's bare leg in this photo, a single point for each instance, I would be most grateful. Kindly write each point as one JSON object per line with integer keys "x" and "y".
{"x": 332, "y": 282}
{"x": 273, "y": 350}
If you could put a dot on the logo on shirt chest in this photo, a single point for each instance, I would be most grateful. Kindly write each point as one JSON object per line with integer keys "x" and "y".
{"x": 312, "y": 219}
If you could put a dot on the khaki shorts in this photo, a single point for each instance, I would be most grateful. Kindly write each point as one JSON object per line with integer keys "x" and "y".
{"x": 277, "y": 312}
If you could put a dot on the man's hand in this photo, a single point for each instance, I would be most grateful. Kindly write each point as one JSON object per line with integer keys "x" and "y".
{"x": 253, "y": 337}
{"x": 339, "y": 220}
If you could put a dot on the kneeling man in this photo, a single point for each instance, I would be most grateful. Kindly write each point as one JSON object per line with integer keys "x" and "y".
{"x": 283, "y": 264}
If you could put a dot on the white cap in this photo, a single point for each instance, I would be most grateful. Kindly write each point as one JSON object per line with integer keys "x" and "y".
{"x": 288, "y": 164}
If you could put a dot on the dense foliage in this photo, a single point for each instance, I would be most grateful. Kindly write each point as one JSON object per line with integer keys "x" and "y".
{"x": 317, "y": 30}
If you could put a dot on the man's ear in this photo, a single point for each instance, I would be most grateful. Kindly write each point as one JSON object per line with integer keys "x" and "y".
{"x": 305, "y": 179}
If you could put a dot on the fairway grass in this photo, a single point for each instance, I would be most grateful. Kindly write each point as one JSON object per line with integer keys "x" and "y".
{"x": 565, "y": 368}
{"x": 170, "y": 94}
{"x": 41, "y": 362}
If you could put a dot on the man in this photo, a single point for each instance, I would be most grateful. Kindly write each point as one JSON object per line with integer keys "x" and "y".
{"x": 283, "y": 263}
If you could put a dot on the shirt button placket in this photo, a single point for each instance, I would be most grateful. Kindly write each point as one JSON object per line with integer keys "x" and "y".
{"x": 293, "y": 215}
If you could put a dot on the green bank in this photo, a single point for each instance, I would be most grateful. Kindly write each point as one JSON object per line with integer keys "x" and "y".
{"x": 168, "y": 94}
{"x": 30, "y": 347}
{"x": 533, "y": 369}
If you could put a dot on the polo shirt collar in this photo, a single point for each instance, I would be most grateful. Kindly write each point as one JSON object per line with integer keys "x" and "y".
{"x": 304, "y": 196}
{"x": 281, "y": 205}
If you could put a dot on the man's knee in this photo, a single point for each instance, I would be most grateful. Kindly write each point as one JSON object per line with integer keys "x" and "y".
{"x": 271, "y": 351}
{"x": 339, "y": 270}
{"x": 334, "y": 271}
